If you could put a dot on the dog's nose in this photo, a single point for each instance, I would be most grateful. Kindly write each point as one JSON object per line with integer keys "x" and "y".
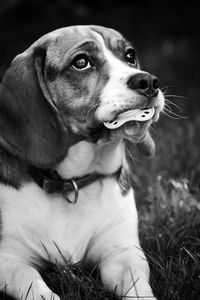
{"x": 144, "y": 83}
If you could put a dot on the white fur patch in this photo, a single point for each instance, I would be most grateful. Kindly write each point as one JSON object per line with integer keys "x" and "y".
{"x": 84, "y": 158}
{"x": 77, "y": 161}
{"x": 115, "y": 94}
{"x": 33, "y": 219}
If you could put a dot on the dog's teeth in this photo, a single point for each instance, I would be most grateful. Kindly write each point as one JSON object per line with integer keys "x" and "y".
{"x": 140, "y": 115}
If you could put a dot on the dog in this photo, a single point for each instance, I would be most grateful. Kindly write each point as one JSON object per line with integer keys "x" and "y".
{"x": 64, "y": 176}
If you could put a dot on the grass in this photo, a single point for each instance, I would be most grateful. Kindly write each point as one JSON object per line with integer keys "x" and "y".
{"x": 170, "y": 235}
{"x": 168, "y": 200}
{"x": 169, "y": 208}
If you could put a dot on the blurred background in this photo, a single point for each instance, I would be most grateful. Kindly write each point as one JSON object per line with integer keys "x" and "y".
{"x": 166, "y": 36}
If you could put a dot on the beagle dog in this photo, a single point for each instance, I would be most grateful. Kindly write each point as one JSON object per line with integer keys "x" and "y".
{"x": 64, "y": 177}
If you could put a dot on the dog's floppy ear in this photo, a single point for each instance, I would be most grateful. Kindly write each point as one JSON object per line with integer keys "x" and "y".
{"x": 147, "y": 146}
{"x": 30, "y": 126}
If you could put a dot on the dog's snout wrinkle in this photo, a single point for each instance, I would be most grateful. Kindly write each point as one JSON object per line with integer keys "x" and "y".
{"x": 145, "y": 84}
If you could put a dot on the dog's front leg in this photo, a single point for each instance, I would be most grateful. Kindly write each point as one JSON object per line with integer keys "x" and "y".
{"x": 128, "y": 274}
{"x": 23, "y": 281}
{"x": 123, "y": 265}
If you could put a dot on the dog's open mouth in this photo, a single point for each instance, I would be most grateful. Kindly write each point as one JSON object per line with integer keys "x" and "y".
{"x": 131, "y": 127}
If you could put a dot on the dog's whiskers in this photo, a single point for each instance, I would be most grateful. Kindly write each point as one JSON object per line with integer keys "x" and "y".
{"x": 170, "y": 102}
{"x": 127, "y": 150}
{"x": 129, "y": 153}
{"x": 166, "y": 114}
{"x": 165, "y": 88}
{"x": 172, "y": 115}
{"x": 176, "y": 96}
{"x": 168, "y": 109}
{"x": 167, "y": 106}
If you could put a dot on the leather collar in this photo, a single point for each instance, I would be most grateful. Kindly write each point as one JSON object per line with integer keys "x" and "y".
{"x": 51, "y": 182}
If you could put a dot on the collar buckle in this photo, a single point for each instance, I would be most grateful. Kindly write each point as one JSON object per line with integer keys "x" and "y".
{"x": 66, "y": 191}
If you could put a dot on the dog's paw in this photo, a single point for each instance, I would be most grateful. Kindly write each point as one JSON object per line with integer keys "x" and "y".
{"x": 136, "y": 296}
{"x": 140, "y": 291}
{"x": 139, "y": 297}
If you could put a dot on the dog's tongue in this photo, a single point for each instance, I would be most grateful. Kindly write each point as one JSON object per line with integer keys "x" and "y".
{"x": 140, "y": 115}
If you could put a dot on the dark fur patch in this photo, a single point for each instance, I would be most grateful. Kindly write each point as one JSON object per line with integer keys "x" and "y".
{"x": 51, "y": 72}
{"x": 12, "y": 170}
{"x": 7, "y": 115}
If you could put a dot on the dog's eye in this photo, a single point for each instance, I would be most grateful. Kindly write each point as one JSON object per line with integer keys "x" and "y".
{"x": 131, "y": 57}
{"x": 81, "y": 62}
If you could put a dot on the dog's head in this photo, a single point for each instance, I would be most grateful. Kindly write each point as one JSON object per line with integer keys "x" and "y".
{"x": 61, "y": 90}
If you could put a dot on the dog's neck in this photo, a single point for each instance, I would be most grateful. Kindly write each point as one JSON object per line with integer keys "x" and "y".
{"x": 84, "y": 158}
{"x": 84, "y": 164}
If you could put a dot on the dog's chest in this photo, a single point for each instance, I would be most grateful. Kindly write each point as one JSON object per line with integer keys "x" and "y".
{"x": 38, "y": 225}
